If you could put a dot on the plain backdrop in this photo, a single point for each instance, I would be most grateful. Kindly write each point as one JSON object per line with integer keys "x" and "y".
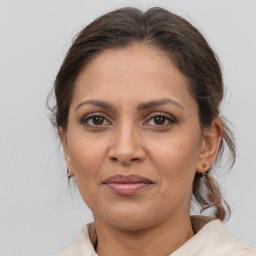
{"x": 39, "y": 213}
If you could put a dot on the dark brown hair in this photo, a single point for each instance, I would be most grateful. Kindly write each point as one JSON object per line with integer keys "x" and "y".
{"x": 185, "y": 46}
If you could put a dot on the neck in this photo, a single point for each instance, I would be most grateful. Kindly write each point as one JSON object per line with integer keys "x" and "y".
{"x": 160, "y": 239}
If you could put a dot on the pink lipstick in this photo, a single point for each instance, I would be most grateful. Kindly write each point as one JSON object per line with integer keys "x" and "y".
{"x": 127, "y": 185}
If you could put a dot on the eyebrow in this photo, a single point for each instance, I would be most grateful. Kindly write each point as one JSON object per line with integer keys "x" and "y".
{"x": 98, "y": 103}
{"x": 155, "y": 103}
{"x": 142, "y": 106}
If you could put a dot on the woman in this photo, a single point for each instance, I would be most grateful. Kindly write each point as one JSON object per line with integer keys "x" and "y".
{"x": 137, "y": 111}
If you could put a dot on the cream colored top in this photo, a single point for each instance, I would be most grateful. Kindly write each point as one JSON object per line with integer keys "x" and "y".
{"x": 211, "y": 239}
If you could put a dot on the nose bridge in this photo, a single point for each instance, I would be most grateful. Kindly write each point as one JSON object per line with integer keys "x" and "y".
{"x": 126, "y": 146}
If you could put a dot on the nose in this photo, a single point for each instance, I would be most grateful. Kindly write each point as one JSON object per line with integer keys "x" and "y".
{"x": 126, "y": 147}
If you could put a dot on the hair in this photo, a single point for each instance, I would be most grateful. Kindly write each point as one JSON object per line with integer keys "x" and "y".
{"x": 189, "y": 51}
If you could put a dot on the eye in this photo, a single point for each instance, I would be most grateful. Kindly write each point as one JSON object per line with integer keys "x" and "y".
{"x": 161, "y": 120}
{"x": 95, "y": 120}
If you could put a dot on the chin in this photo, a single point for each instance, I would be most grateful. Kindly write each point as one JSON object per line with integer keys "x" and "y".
{"x": 130, "y": 218}
{"x": 132, "y": 224}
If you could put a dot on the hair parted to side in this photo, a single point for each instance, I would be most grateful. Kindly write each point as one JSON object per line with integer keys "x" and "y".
{"x": 185, "y": 46}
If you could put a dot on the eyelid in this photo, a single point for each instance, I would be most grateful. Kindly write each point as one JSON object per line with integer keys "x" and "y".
{"x": 159, "y": 113}
{"x": 172, "y": 119}
{"x": 91, "y": 115}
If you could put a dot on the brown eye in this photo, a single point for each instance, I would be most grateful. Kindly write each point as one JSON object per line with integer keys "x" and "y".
{"x": 159, "y": 120}
{"x": 97, "y": 120}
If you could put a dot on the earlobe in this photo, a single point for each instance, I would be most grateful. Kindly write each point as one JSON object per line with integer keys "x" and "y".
{"x": 211, "y": 139}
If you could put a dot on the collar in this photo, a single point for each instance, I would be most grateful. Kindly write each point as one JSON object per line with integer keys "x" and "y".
{"x": 211, "y": 239}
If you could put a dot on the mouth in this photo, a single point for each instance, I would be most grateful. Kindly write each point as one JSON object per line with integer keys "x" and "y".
{"x": 127, "y": 185}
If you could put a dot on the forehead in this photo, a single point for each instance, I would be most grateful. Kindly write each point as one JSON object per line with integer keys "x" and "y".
{"x": 137, "y": 72}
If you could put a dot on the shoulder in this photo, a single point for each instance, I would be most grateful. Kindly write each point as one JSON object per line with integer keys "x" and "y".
{"x": 84, "y": 244}
{"x": 237, "y": 248}
{"x": 67, "y": 252}
{"x": 213, "y": 239}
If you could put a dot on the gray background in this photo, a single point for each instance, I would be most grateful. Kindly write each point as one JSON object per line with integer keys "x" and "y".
{"x": 39, "y": 213}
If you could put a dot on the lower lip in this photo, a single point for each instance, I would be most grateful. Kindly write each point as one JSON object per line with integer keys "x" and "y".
{"x": 127, "y": 188}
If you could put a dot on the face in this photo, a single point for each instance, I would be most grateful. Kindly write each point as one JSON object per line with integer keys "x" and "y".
{"x": 133, "y": 140}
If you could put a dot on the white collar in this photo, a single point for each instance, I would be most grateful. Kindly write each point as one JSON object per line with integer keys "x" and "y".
{"x": 211, "y": 239}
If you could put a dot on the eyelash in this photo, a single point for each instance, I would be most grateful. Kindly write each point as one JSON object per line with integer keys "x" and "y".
{"x": 171, "y": 120}
{"x": 90, "y": 117}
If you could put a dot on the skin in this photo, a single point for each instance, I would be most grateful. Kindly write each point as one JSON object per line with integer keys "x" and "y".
{"x": 127, "y": 140}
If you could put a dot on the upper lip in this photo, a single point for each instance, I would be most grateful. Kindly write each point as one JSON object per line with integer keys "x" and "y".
{"x": 126, "y": 179}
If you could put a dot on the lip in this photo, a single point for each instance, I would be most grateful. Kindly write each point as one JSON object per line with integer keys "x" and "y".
{"x": 127, "y": 185}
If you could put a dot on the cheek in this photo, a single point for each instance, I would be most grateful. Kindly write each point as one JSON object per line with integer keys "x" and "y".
{"x": 175, "y": 159}
{"x": 85, "y": 152}
{"x": 86, "y": 159}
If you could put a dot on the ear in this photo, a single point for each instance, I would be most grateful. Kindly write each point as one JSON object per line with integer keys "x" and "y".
{"x": 63, "y": 138}
{"x": 211, "y": 140}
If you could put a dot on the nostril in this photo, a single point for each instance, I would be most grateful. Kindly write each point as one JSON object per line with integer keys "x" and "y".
{"x": 114, "y": 159}
{"x": 125, "y": 162}
{"x": 134, "y": 159}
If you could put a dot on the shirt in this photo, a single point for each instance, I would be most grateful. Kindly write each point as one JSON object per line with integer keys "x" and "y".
{"x": 211, "y": 239}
